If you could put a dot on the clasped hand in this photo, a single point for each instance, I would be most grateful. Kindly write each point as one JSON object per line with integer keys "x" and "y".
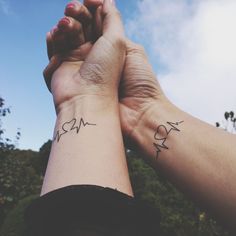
{"x": 91, "y": 57}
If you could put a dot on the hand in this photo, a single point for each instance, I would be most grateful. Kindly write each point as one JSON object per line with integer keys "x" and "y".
{"x": 77, "y": 66}
{"x": 139, "y": 88}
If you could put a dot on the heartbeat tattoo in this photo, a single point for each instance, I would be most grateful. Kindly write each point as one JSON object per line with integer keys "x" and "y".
{"x": 70, "y": 126}
{"x": 161, "y": 135}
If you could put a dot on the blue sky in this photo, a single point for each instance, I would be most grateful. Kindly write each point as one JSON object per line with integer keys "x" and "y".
{"x": 181, "y": 38}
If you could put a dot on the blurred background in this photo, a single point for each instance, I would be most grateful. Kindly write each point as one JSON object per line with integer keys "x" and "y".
{"x": 191, "y": 45}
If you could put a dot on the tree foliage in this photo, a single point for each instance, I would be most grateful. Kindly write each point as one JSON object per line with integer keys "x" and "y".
{"x": 18, "y": 178}
{"x": 14, "y": 224}
{"x": 21, "y": 175}
{"x": 180, "y": 216}
{"x": 229, "y": 122}
{"x": 40, "y": 163}
{"x": 6, "y": 144}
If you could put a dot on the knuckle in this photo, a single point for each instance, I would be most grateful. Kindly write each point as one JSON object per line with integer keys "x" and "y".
{"x": 140, "y": 49}
{"x": 137, "y": 49}
{"x": 119, "y": 41}
{"x": 76, "y": 24}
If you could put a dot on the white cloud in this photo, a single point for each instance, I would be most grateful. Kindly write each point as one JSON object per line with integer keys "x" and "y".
{"x": 5, "y": 7}
{"x": 196, "y": 42}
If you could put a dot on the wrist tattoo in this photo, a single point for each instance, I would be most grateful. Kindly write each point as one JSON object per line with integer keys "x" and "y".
{"x": 73, "y": 125}
{"x": 161, "y": 135}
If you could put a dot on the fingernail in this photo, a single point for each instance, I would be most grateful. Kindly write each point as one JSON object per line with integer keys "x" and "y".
{"x": 64, "y": 21}
{"x": 70, "y": 5}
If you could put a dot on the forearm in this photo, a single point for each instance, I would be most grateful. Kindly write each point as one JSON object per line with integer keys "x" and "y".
{"x": 197, "y": 157}
{"x": 87, "y": 147}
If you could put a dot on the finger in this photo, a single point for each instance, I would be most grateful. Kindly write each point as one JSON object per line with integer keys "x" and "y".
{"x": 81, "y": 13}
{"x": 69, "y": 35}
{"x": 98, "y": 23}
{"x": 74, "y": 31}
{"x": 78, "y": 11}
{"x": 112, "y": 25}
{"x": 59, "y": 40}
{"x": 76, "y": 55}
{"x": 49, "y": 45}
{"x": 93, "y": 4}
{"x": 80, "y": 53}
{"x": 111, "y": 46}
{"x": 54, "y": 63}
{"x": 137, "y": 51}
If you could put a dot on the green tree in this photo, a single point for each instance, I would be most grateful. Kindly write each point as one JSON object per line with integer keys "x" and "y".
{"x": 229, "y": 122}
{"x": 6, "y": 144}
{"x": 180, "y": 216}
{"x": 18, "y": 178}
{"x": 41, "y": 161}
{"x": 14, "y": 224}
{"x": 21, "y": 175}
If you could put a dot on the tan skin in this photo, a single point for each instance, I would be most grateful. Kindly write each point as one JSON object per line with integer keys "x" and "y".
{"x": 200, "y": 159}
{"x": 133, "y": 96}
{"x": 80, "y": 60}
{"x": 85, "y": 94}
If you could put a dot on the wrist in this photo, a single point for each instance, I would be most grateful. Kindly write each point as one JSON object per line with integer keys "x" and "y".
{"x": 85, "y": 111}
{"x": 87, "y": 145}
{"x": 158, "y": 114}
{"x": 87, "y": 104}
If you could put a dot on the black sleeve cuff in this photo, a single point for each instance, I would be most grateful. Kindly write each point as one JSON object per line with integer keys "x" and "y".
{"x": 86, "y": 208}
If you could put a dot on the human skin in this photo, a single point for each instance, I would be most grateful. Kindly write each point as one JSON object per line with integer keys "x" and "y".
{"x": 87, "y": 144}
{"x": 197, "y": 157}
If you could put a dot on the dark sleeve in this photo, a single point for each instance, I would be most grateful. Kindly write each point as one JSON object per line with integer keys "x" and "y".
{"x": 74, "y": 210}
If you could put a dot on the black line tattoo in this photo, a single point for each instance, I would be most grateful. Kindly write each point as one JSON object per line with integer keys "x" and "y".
{"x": 70, "y": 126}
{"x": 161, "y": 135}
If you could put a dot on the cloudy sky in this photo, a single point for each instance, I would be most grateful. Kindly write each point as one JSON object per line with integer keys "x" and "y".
{"x": 191, "y": 45}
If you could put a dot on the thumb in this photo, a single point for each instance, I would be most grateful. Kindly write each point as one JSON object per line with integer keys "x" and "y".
{"x": 112, "y": 24}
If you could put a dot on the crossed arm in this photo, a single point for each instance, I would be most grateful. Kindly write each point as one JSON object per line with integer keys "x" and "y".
{"x": 88, "y": 148}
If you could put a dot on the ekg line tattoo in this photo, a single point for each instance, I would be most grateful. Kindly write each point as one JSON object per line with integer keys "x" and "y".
{"x": 161, "y": 135}
{"x": 70, "y": 126}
